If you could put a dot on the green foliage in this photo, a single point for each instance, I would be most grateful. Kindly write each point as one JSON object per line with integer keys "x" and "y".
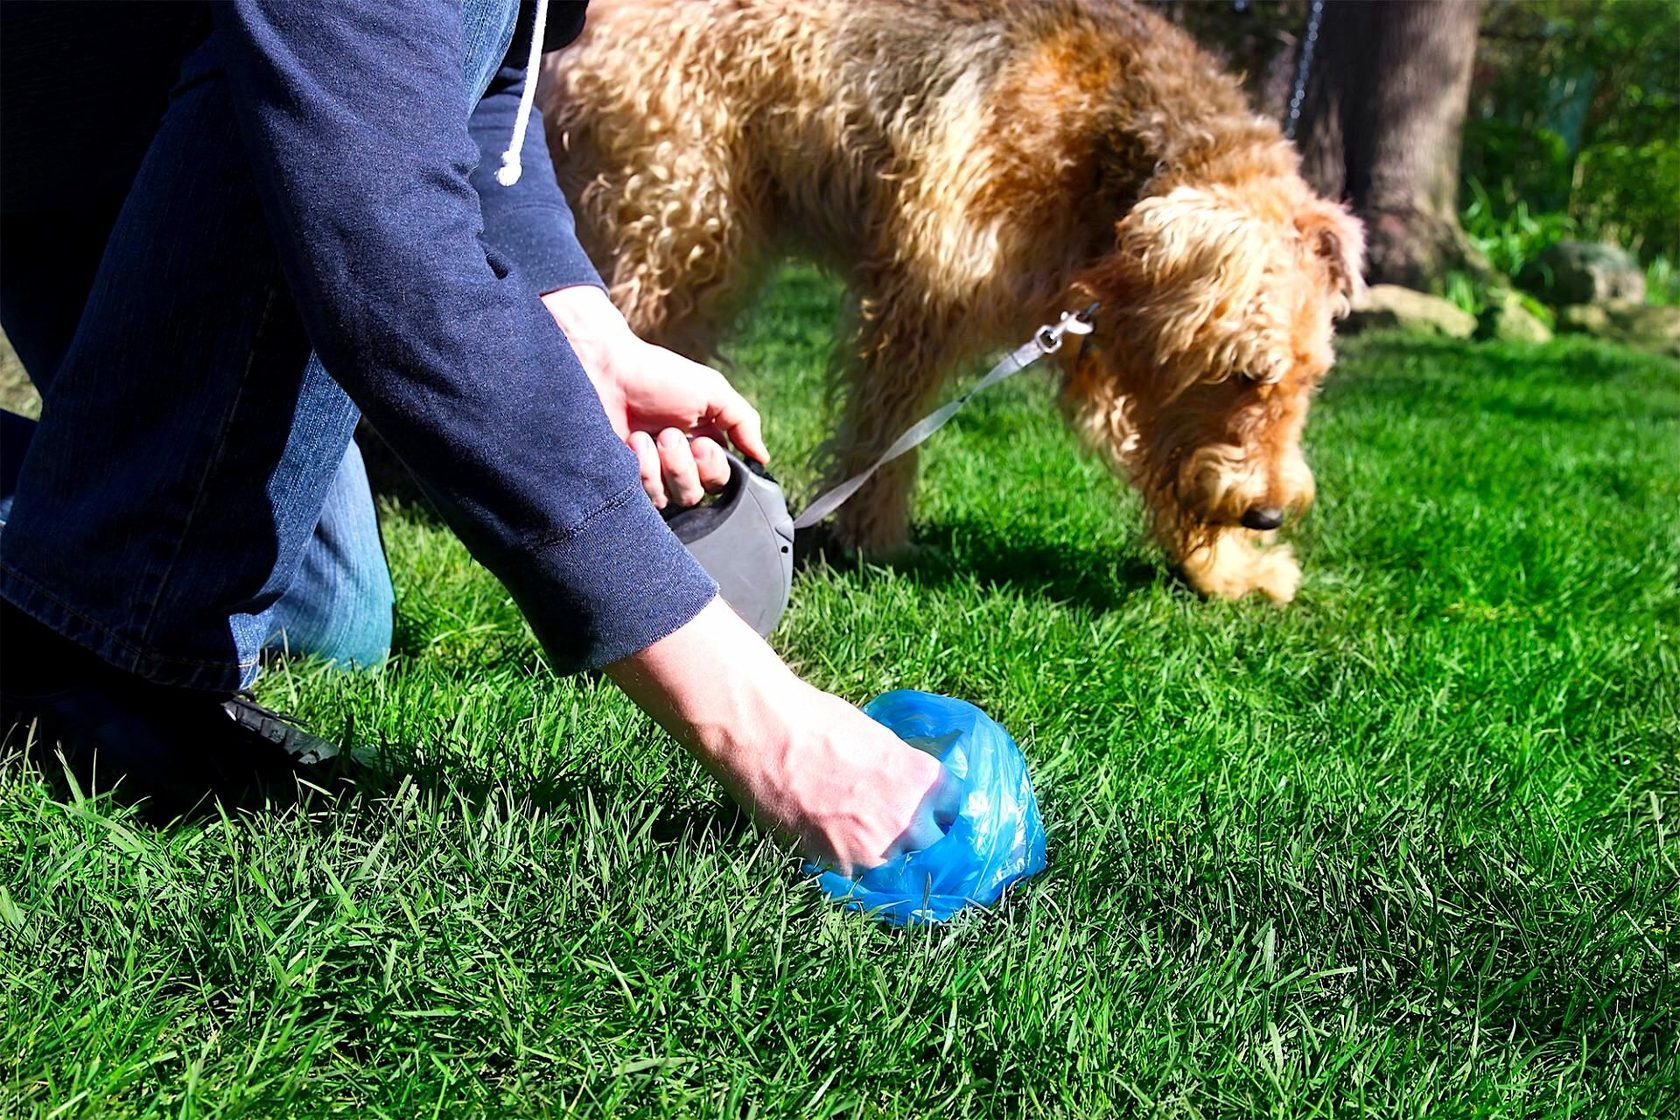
{"x": 1575, "y": 115}
{"x": 1405, "y": 848}
{"x": 1463, "y": 291}
{"x": 1662, "y": 282}
{"x": 1512, "y": 237}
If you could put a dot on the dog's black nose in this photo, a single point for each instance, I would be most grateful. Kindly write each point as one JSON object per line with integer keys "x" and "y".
{"x": 1258, "y": 518}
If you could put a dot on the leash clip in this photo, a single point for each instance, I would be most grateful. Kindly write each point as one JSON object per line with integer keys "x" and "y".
{"x": 1048, "y": 338}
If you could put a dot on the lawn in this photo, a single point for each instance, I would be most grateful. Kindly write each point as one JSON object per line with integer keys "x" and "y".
{"x": 1404, "y": 848}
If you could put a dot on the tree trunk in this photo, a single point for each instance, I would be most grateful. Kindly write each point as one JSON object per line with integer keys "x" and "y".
{"x": 1380, "y": 127}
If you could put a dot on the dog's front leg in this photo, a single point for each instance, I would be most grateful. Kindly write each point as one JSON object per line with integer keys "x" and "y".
{"x": 891, "y": 379}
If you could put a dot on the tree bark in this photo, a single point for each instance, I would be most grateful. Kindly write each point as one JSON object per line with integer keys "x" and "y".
{"x": 1380, "y": 127}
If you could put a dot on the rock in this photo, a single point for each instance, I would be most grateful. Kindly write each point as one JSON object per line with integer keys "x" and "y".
{"x": 1650, "y": 328}
{"x": 1656, "y": 329}
{"x": 1583, "y": 318}
{"x": 1507, "y": 320}
{"x": 1389, "y": 306}
{"x": 1572, "y": 272}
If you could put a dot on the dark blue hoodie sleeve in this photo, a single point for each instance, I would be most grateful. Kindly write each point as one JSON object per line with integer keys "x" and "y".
{"x": 529, "y": 221}
{"x": 353, "y": 124}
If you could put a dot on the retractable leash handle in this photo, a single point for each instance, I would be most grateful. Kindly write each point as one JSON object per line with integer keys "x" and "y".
{"x": 744, "y": 540}
{"x": 744, "y": 537}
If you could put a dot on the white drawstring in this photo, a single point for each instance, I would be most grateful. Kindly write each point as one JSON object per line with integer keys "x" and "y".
{"x": 508, "y": 174}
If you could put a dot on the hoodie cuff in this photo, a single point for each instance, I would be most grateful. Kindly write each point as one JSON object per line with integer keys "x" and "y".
{"x": 612, "y": 586}
{"x": 540, "y": 241}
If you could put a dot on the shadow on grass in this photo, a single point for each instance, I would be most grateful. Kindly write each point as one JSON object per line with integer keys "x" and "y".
{"x": 1448, "y": 372}
{"x": 391, "y": 479}
{"x": 962, "y": 549}
{"x": 450, "y": 778}
{"x": 333, "y": 796}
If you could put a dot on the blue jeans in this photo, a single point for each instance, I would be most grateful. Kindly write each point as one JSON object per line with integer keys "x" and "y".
{"x": 192, "y": 491}
{"x": 338, "y": 605}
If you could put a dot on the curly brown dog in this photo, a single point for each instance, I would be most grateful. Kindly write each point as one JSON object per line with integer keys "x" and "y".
{"x": 972, "y": 168}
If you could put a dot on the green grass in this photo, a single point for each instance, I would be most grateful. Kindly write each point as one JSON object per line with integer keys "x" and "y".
{"x": 1405, "y": 848}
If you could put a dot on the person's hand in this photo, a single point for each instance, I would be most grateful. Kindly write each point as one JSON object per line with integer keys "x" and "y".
{"x": 674, "y": 414}
{"x": 805, "y": 764}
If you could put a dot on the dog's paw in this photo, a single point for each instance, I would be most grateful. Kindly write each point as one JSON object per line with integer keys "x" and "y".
{"x": 1277, "y": 574}
{"x": 871, "y": 538}
{"x": 1235, "y": 565}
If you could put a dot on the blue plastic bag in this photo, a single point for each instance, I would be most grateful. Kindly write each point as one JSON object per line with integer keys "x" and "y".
{"x": 994, "y": 839}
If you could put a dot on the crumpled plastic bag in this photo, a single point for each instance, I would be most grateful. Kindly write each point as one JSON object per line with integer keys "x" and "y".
{"x": 994, "y": 838}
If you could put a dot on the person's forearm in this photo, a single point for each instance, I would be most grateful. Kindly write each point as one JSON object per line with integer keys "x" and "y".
{"x": 802, "y": 762}
{"x": 706, "y": 681}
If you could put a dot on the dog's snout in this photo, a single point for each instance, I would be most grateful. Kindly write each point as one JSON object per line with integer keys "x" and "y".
{"x": 1262, "y": 518}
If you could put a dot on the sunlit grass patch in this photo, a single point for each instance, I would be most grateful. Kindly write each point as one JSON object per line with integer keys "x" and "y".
{"x": 1405, "y": 848}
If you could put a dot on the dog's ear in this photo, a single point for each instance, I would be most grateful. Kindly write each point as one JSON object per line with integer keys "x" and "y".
{"x": 1188, "y": 237}
{"x": 1196, "y": 260}
{"x": 1337, "y": 239}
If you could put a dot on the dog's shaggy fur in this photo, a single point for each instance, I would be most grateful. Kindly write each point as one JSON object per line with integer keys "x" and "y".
{"x": 972, "y": 168}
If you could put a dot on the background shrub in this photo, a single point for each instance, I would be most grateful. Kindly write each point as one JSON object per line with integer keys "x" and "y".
{"x": 1574, "y": 132}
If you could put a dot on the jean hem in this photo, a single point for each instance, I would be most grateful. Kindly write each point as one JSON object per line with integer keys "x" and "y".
{"x": 47, "y": 608}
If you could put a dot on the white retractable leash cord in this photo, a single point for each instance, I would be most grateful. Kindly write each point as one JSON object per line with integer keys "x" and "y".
{"x": 1046, "y": 340}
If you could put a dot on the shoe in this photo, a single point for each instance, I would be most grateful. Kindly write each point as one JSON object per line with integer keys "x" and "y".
{"x": 304, "y": 749}
{"x": 174, "y": 752}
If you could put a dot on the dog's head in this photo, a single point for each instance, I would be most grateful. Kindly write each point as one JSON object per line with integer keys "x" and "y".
{"x": 1213, "y": 332}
